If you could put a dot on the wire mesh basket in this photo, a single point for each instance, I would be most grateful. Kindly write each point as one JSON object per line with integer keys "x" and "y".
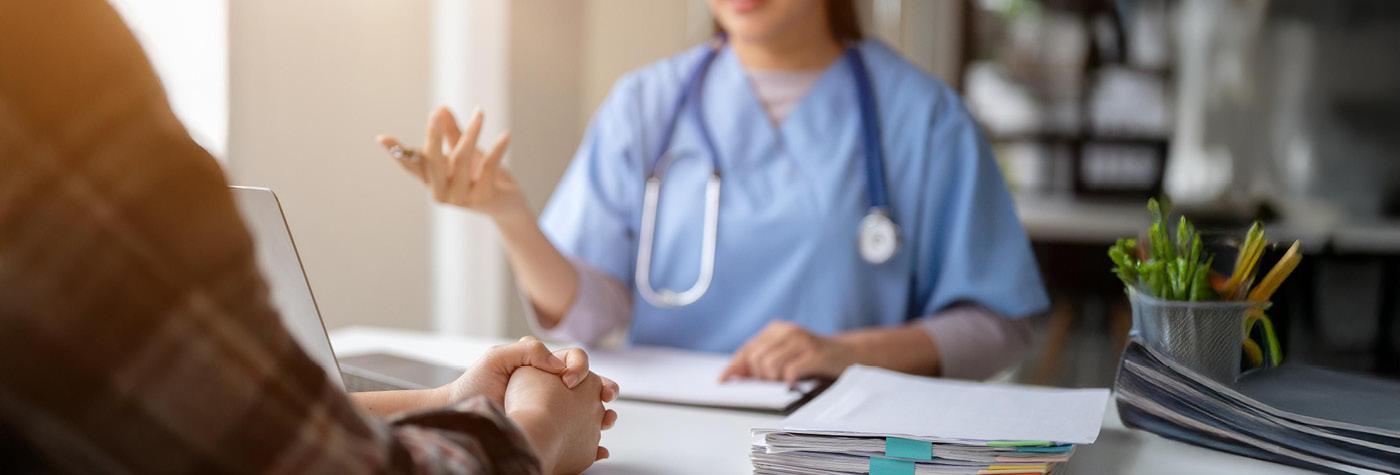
{"x": 1206, "y": 337}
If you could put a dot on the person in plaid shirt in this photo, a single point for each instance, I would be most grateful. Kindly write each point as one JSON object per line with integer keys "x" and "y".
{"x": 136, "y": 335}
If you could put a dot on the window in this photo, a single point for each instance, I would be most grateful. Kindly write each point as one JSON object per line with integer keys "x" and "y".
{"x": 187, "y": 42}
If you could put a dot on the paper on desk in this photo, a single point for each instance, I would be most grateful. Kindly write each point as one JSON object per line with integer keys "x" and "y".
{"x": 872, "y": 401}
{"x": 686, "y": 377}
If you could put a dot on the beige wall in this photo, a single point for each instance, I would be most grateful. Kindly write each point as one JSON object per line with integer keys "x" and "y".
{"x": 311, "y": 83}
{"x": 625, "y": 34}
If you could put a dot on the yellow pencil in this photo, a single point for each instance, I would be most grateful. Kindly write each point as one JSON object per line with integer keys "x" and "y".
{"x": 1271, "y": 282}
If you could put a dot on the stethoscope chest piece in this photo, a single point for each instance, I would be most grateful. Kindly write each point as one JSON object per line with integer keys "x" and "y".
{"x": 879, "y": 237}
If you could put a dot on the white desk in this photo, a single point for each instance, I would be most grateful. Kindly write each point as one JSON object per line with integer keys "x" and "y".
{"x": 657, "y": 438}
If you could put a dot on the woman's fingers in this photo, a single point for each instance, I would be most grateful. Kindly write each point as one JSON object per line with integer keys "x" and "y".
{"x": 738, "y": 365}
{"x": 487, "y": 172}
{"x": 435, "y": 163}
{"x": 412, "y": 166}
{"x": 610, "y": 390}
{"x": 526, "y": 352}
{"x": 609, "y": 419}
{"x": 575, "y": 366}
{"x": 602, "y": 453}
{"x": 464, "y": 151}
{"x": 450, "y": 132}
{"x": 799, "y": 368}
{"x": 771, "y": 361}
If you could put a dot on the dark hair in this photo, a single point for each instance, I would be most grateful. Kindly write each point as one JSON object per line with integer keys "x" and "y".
{"x": 841, "y": 20}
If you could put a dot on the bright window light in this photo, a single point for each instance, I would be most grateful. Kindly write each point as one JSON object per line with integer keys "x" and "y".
{"x": 187, "y": 41}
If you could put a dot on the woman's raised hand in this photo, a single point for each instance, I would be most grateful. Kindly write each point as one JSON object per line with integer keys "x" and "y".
{"x": 456, "y": 171}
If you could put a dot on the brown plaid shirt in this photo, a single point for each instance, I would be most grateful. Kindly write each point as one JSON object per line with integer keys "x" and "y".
{"x": 135, "y": 332}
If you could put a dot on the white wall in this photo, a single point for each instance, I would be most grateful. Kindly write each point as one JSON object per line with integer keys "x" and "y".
{"x": 311, "y": 83}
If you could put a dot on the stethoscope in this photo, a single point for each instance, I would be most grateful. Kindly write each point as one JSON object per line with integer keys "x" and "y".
{"x": 878, "y": 238}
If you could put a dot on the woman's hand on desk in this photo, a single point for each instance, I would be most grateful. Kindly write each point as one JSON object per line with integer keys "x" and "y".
{"x": 564, "y": 425}
{"x": 784, "y": 351}
{"x": 459, "y": 173}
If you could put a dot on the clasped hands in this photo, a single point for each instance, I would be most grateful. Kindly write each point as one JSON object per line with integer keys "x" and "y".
{"x": 552, "y": 395}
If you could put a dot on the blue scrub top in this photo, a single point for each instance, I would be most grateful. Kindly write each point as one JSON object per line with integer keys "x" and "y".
{"x": 792, "y": 197}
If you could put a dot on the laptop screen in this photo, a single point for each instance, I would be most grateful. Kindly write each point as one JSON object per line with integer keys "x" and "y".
{"x": 281, "y": 269}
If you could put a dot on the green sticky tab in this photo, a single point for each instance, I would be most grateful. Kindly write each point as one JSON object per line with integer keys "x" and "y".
{"x": 1018, "y": 443}
{"x": 908, "y": 448}
{"x": 886, "y": 466}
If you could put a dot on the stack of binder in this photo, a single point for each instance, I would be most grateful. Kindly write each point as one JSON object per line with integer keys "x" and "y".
{"x": 1297, "y": 415}
{"x": 886, "y": 423}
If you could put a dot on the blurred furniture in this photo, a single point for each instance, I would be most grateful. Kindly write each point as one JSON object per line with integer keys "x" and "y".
{"x": 1082, "y": 129}
{"x": 1379, "y": 242}
{"x": 661, "y": 438}
{"x": 1087, "y": 102}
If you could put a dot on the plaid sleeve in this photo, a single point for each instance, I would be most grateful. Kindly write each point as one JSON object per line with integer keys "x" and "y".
{"x": 438, "y": 437}
{"x": 136, "y": 334}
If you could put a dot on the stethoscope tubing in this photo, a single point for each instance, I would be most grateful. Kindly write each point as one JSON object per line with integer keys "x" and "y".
{"x": 870, "y": 128}
{"x": 878, "y": 212}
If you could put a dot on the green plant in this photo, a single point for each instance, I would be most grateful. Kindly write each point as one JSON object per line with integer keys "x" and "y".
{"x": 1167, "y": 268}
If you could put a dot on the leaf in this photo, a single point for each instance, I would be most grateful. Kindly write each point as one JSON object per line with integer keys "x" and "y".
{"x": 1172, "y": 266}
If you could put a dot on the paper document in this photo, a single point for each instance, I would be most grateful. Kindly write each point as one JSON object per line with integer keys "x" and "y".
{"x": 875, "y": 401}
{"x": 687, "y": 377}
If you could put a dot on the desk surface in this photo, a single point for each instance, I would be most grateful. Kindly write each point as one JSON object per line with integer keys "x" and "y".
{"x": 658, "y": 438}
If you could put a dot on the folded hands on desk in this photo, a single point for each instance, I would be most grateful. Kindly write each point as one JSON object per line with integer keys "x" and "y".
{"x": 551, "y": 395}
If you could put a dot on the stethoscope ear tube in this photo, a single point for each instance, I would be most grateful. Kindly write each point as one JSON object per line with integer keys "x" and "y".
{"x": 645, "y": 242}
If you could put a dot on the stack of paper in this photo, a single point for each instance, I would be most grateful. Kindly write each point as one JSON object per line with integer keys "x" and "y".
{"x": 883, "y": 422}
{"x": 1299, "y": 415}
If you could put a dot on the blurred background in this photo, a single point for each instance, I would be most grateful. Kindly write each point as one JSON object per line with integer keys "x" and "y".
{"x": 1282, "y": 110}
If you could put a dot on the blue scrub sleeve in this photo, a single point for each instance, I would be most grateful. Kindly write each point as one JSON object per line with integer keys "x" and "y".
{"x": 590, "y": 216}
{"x": 976, "y": 251}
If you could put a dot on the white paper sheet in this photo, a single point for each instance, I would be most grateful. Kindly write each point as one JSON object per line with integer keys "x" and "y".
{"x": 686, "y": 377}
{"x": 872, "y": 401}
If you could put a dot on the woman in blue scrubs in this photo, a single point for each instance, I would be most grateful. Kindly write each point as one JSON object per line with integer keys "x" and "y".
{"x": 773, "y": 108}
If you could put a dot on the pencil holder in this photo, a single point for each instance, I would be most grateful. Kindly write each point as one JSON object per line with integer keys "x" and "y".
{"x": 1206, "y": 337}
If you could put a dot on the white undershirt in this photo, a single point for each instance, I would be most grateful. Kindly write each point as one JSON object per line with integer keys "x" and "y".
{"x": 780, "y": 91}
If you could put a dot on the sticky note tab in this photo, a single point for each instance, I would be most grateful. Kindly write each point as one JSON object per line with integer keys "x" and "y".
{"x": 1053, "y": 449}
{"x": 908, "y": 448}
{"x": 887, "y": 466}
{"x": 1018, "y": 443}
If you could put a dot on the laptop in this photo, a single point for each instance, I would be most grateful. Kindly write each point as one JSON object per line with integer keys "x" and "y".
{"x": 291, "y": 295}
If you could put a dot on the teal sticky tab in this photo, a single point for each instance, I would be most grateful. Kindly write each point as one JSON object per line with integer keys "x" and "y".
{"x": 1053, "y": 449}
{"x": 908, "y": 448}
{"x": 886, "y": 466}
